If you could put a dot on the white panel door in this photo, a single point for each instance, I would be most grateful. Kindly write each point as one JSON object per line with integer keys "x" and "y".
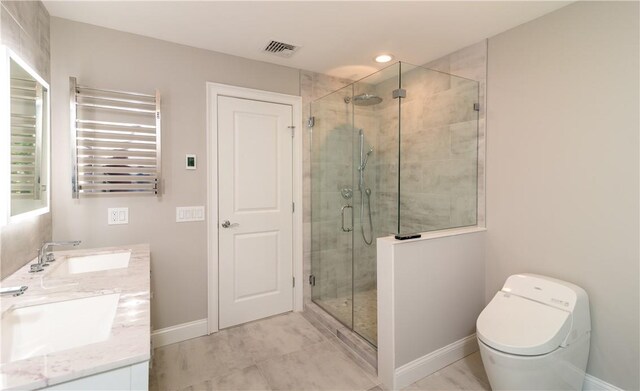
{"x": 255, "y": 209}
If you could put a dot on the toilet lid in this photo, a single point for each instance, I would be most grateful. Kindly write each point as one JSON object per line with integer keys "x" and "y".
{"x": 516, "y": 325}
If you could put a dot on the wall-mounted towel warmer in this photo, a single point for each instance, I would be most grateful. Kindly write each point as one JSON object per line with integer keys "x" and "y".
{"x": 115, "y": 141}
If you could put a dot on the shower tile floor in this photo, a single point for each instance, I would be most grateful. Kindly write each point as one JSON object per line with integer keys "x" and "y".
{"x": 284, "y": 352}
{"x": 365, "y": 316}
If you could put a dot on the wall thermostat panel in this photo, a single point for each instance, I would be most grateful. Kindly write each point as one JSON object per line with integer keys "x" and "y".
{"x": 190, "y": 162}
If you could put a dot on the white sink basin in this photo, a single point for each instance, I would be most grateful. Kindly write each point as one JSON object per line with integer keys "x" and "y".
{"x": 47, "y": 328}
{"x": 92, "y": 263}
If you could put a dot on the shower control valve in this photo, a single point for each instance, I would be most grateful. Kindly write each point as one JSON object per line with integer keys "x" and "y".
{"x": 347, "y": 193}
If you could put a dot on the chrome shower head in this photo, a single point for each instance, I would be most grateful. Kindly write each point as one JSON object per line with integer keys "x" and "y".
{"x": 366, "y": 100}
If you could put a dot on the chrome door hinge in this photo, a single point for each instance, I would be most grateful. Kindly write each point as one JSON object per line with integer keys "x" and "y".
{"x": 399, "y": 93}
{"x": 293, "y": 207}
{"x": 293, "y": 130}
{"x": 312, "y": 280}
{"x": 311, "y": 121}
{"x": 294, "y": 282}
{"x": 476, "y": 106}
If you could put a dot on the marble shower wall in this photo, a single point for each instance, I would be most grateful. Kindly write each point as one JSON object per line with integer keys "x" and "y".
{"x": 441, "y": 144}
{"x": 469, "y": 63}
{"x": 25, "y": 30}
{"x": 438, "y": 151}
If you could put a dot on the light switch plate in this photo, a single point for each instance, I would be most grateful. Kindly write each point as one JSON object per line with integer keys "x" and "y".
{"x": 189, "y": 213}
{"x": 118, "y": 216}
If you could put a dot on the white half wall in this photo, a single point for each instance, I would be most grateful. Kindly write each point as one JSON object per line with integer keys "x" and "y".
{"x": 430, "y": 293}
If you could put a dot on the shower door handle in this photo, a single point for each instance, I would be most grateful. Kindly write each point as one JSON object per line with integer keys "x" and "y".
{"x": 342, "y": 212}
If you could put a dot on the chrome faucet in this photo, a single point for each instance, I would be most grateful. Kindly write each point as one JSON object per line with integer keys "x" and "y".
{"x": 44, "y": 257}
{"x": 13, "y": 290}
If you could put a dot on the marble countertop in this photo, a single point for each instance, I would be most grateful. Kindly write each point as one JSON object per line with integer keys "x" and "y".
{"x": 129, "y": 341}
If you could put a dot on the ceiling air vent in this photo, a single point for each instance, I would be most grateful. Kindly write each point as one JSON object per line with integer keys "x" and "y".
{"x": 281, "y": 49}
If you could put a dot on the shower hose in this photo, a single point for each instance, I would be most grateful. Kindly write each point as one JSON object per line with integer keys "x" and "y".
{"x": 367, "y": 193}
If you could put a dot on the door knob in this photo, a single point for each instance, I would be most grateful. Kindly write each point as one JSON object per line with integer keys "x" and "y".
{"x": 226, "y": 224}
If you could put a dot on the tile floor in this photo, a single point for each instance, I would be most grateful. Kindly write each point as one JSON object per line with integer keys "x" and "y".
{"x": 365, "y": 315}
{"x": 284, "y": 352}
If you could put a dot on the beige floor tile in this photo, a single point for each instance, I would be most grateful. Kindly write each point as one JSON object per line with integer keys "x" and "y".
{"x": 167, "y": 366}
{"x": 312, "y": 318}
{"x": 367, "y": 368}
{"x": 208, "y": 357}
{"x": 238, "y": 380}
{"x": 473, "y": 364}
{"x": 454, "y": 377}
{"x": 284, "y": 352}
{"x": 317, "y": 367}
{"x": 274, "y": 337}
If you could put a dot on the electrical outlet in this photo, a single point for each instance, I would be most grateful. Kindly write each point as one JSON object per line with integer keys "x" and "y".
{"x": 118, "y": 216}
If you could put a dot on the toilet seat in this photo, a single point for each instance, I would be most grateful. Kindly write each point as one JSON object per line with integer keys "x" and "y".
{"x": 535, "y": 335}
{"x": 521, "y": 326}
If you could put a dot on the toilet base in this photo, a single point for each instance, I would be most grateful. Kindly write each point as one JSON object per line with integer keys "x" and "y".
{"x": 562, "y": 369}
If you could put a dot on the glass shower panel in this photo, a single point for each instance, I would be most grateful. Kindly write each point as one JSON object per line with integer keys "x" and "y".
{"x": 375, "y": 155}
{"x": 438, "y": 150}
{"x": 332, "y": 195}
{"x": 395, "y": 152}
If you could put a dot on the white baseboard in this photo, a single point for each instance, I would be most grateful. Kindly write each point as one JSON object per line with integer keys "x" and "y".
{"x": 592, "y": 383}
{"x": 434, "y": 361}
{"x": 178, "y": 333}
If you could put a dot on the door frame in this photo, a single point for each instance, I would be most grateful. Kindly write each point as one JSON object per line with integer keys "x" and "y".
{"x": 213, "y": 91}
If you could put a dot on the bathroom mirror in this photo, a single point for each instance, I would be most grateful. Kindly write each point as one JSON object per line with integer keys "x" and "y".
{"x": 26, "y": 140}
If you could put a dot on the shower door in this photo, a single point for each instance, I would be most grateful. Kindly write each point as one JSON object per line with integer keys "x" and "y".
{"x": 332, "y": 205}
{"x": 354, "y": 197}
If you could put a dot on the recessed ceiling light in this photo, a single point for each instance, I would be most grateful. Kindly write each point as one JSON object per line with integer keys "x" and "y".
{"x": 384, "y": 58}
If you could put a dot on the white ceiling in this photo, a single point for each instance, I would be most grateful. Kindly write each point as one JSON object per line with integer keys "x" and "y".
{"x": 337, "y": 37}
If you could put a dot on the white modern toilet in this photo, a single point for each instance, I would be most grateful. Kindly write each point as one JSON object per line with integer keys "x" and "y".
{"x": 534, "y": 335}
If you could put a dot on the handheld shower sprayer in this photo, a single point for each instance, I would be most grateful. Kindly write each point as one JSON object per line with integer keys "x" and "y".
{"x": 365, "y": 192}
{"x": 365, "y": 159}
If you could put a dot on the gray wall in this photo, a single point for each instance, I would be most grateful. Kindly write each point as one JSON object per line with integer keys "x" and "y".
{"x": 25, "y": 30}
{"x": 562, "y": 167}
{"x": 110, "y": 59}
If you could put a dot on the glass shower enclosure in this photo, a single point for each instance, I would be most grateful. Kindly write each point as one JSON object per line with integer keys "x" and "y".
{"x": 395, "y": 152}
